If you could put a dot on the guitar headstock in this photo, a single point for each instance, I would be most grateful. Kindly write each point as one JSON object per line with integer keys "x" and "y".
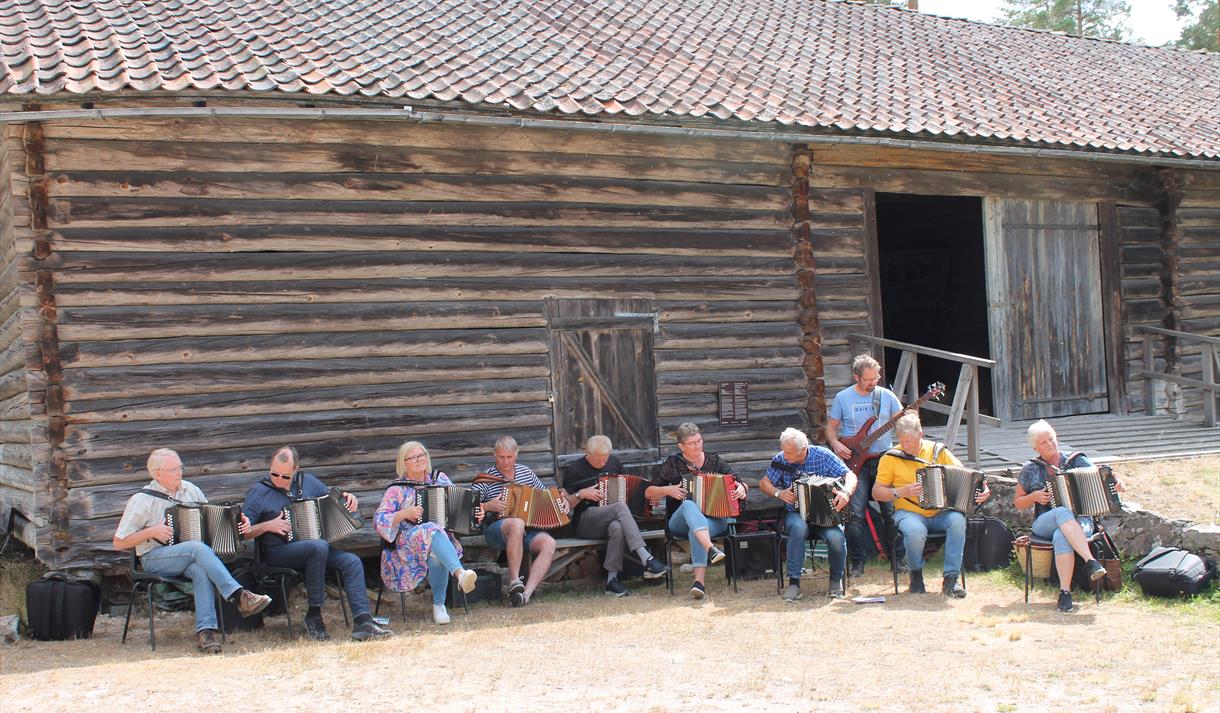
{"x": 935, "y": 391}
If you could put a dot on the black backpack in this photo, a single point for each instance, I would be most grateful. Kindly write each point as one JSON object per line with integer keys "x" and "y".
{"x": 988, "y": 544}
{"x": 60, "y": 607}
{"x": 1170, "y": 571}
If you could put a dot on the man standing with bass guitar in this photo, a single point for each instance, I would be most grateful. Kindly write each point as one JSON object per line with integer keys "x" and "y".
{"x": 863, "y": 410}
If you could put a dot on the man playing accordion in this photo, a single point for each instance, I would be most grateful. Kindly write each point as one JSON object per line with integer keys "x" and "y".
{"x": 797, "y": 459}
{"x": 896, "y": 482}
{"x": 143, "y": 527}
{"x": 612, "y": 521}
{"x": 1068, "y": 532}
{"x": 265, "y": 503}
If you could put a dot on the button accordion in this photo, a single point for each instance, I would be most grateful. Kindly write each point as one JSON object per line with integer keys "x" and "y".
{"x": 1085, "y": 491}
{"x": 627, "y": 489}
{"x": 454, "y": 508}
{"x": 815, "y": 496}
{"x": 540, "y": 508}
{"x": 713, "y": 494}
{"x": 214, "y": 525}
{"x": 948, "y": 487}
{"x": 322, "y": 518}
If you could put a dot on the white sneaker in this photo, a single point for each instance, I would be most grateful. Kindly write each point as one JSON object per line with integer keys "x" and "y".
{"x": 466, "y": 580}
{"x": 439, "y": 615}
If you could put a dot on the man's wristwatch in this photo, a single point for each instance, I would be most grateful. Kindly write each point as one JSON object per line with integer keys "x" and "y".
{"x": 777, "y": 493}
{"x": 896, "y": 496}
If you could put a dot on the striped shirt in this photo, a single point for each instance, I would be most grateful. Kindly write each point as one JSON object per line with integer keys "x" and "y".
{"x": 522, "y": 475}
{"x": 144, "y": 510}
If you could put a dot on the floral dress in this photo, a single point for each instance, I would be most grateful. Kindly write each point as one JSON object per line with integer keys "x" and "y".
{"x": 405, "y": 565}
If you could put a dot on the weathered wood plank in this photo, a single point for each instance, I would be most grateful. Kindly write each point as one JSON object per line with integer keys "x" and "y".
{"x": 257, "y": 400}
{"x": 177, "y": 267}
{"x": 400, "y": 290}
{"x": 102, "y": 440}
{"x": 17, "y": 455}
{"x": 135, "y": 212}
{"x": 245, "y": 131}
{"x": 688, "y": 405}
{"x": 672, "y": 383}
{"x": 15, "y": 407}
{"x": 12, "y": 384}
{"x": 293, "y": 237}
{"x": 726, "y": 312}
{"x": 372, "y": 453}
{"x": 714, "y": 359}
{"x": 15, "y": 431}
{"x": 724, "y": 335}
{"x": 474, "y": 183}
{"x": 883, "y": 157}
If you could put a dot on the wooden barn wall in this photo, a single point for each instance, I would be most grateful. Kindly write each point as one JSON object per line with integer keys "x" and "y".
{"x": 845, "y": 179}
{"x": 225, "y": 286}
{"x": 1196, "y": 289}
{"x": 16, "y": 472}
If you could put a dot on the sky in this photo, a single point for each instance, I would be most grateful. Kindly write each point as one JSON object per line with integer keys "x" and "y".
{"x": 1152, "y": 22}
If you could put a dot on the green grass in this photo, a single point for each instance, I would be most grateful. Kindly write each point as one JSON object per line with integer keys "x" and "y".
{"x": 1205, "y": 606}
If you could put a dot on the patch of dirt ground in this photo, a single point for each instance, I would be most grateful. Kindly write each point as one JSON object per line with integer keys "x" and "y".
{"x": 653, "y": 652}
{"x": 1188, "y": 488}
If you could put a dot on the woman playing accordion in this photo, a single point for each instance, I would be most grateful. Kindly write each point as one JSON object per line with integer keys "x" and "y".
{"x": 683, "y": 516}
{"x": 413, "y": 549}
{"x": 1068, "y": 532}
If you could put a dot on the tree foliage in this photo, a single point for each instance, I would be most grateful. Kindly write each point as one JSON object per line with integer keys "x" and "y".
{"x": 1105, "y": 19}
{"x": 1203, "y": 33}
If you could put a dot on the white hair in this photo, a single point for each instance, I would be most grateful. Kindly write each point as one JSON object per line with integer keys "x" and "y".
{"x": 908, "y": 425}
{"x": 506, "y": 443}
{"x": 1037, "y": 429}
{"x": 159, "y": 456}
{"x": 598, "y": 444}
{"x": 795, "y": 437}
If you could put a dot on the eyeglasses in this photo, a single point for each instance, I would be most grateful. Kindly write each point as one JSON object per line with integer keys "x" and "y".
{"x": 286, "y": 476}
{"x": 417, "y": 457}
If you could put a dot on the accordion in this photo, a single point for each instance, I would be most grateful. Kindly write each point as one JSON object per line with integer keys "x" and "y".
{"x": 540, "y": 508}
{"x": 454, "y": 508}
{"x": 1085, "y": 491}
{"x": 815, "y": 500}
{"x": 321, "y": 518}
{"x": 713, "y": 494}
{"x": 949, "y": 487}
{"x": 214, "y": 525}
{"x": 627, "y": 489}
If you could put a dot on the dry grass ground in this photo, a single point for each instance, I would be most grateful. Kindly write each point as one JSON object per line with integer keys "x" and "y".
{"x": 578, "y": 649}
{"x": 1188, "y": 488}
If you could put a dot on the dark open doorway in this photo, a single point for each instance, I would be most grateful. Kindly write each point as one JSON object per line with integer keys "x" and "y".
{"x": 933, "y": 282}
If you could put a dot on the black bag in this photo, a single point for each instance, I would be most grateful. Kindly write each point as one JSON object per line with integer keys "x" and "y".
{"x": 235, "y": 621}
{"x": 486, "y": 589}
{"x": 1170, "y": 571}
{"x": 988, "y": 544}
{"x": 60, "y": 607}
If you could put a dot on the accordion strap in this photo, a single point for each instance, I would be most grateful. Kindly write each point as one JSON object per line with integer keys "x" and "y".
{"x": 158, "y": 494}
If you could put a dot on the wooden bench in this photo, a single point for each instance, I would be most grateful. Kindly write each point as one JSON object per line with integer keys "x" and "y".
{"x": 567, "y": 549}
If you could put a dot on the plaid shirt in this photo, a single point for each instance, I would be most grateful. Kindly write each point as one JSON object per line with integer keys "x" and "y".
{"x": 818, "y": 461}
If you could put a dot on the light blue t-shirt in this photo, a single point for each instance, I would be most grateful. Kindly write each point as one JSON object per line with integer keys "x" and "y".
{"x": 851, "y": 410}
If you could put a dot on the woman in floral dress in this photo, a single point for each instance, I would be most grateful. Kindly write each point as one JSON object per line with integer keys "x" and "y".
{"x": 413, "y": 550}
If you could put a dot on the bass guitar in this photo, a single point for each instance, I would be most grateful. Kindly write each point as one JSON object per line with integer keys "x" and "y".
{"x": 860, "y": 443}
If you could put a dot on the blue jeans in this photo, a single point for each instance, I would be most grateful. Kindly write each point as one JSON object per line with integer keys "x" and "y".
{"x": 317, "y": 556}
{"x": 441, "y": 561}
{"x": 1048, "y": 523}
{"x": 859, "y": 539}
{"x": 687, "y": 520}
{"x": 495, "y": 537}
{"x": 836, "y": 546}
{"x": 197, "y": 561}
{"x": 915, "y": 528}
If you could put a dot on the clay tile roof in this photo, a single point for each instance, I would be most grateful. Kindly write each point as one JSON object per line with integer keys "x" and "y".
{"x": 801, "y": 64}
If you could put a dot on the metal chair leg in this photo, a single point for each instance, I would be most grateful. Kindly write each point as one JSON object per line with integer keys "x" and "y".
{"x": 287, "y": 605}
{"x": 342, "y": 598}
{"x": 402, "y": 606}
{"x": 131, "y": 602}
{"x": 152, "y": 633}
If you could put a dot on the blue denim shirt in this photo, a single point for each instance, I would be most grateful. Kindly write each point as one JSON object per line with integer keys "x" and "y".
{"x": 818, "y": 461}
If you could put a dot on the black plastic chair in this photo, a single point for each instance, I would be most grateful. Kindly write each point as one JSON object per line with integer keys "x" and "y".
{"x": 142, "y": 578}
{"x": 402, "y": 599}
{"x": 731, "y": 540}
{"x": 275, "y": 576}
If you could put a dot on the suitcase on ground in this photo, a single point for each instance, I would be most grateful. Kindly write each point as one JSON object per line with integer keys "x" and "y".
{"x": 988, "y": 544}
{"x": 1171, "y": 571}
{"x": 60, "y": 607}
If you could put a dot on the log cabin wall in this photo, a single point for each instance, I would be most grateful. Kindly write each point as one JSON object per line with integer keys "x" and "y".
{"x": 1197, "y": 288}
{"x": 225, "y": 286}
{"x": 17, "y": 487}
{"x": 843, "y": 182}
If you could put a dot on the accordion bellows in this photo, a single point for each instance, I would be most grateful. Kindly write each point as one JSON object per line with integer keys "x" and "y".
{"x": 949, "y": 487}
{"x": 214, "y": 525}
{"x": 539, "y": 508}
{"x": 712, "y": 493}
{"x": 1085, "y": 491}
{"x": 321, "y": 518}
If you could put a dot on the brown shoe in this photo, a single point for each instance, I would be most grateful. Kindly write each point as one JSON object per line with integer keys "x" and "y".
{"x": 207, "y": 641}
{"x": 249, "y": 603}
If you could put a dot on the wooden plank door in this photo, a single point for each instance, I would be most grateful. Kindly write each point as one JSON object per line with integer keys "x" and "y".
{"x": 1044, "y": 289}
{"x": 603, "y": 376}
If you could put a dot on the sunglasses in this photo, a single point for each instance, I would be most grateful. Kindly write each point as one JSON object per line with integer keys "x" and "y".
{"x": 281, "y": 477}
